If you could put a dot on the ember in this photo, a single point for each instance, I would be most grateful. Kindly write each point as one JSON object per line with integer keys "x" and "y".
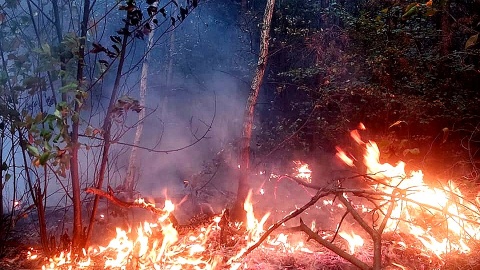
{"x": 303, "y": 171}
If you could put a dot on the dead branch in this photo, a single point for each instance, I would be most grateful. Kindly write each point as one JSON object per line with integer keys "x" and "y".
{"x": 376, "y": 236}
{"x": 311, "y": 234}
{"x": 356, "y": 216}
{"x": 150, "y": 207}
{"x": 320, "y": 193}
{"x": 339, "y": 226}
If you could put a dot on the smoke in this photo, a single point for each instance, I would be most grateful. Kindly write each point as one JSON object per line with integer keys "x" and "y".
{"x": 195, "y": 89}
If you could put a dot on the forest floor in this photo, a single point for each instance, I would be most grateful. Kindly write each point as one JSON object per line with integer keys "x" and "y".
{"x": 399, "y": 251}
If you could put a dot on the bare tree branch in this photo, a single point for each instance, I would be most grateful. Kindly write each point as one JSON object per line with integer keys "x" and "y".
{"x": 311, "y": 234}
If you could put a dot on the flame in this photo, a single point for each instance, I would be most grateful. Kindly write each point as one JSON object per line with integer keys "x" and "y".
{"x": 438, "y": 216}
{"x": 254, "y": 227}
{"x": 356, "y": 137}
{"x": 354, "y": 240}
{"x": 304, "y": 171}
{"x": 144, "y": 249}
{"x": 343, "y": 156}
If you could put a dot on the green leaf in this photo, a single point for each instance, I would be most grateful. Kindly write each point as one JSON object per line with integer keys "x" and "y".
{"x": 89, "y": 131}
{"x": 4, "y": 166}
{"x": 57, "y": 138}
{"x": 46, "y": 49}
{"x": 46, "y": 134}
{"x": 44, "y": 158}
{"x": 69, "y": 87}
{"x": 411, "y": 10}
{"x": 33, "y": 150}
{"x": 47, "y": 146}
{"x": 7, "y": 177}
{"x": 58, "y": 114}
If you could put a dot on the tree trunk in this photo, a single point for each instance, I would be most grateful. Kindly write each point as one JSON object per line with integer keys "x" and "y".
{"x": 2, "y": 183}
{"x": 107, "y": 127}
{"x": 446, "y": 28}
{"x": 42, "y": 221}
{"x": 243, "y": 186}
{"x": 130, "y": 182}
{"x": 171, "y": 52}
{"x": 77, "y": 238}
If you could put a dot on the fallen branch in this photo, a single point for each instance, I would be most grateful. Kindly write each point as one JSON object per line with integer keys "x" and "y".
{"x": 312, "y": 235}
{"x": 147, "y": 206}
{"x": 320, "y": 193}
{"x": 376, "y": 235}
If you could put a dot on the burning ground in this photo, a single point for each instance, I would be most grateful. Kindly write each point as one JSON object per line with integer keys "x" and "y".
{"x": 384, "y": 218}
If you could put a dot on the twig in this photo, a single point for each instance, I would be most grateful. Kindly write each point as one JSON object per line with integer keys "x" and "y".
{"x": 339, "y": 225}
{"x": 311, "y": 234}
{"x": 356, "y": 216}
{"x": 320, "y": 193}
{"x": 376, "y": 236}
{"x": 110, "y": 196}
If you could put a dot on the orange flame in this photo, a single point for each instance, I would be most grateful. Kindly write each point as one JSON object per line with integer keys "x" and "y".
{"x": 415, "y": 203}
{"x": 304, "y": 171}
{"x": 354, "y": 240}
{"x": 343, "y": 157}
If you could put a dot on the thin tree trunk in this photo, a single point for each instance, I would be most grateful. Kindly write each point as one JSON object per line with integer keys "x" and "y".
{"x": 107, "y": 140}
{"x": 58, "y": 30}
{"x": 130, "y": 182}
{"x": 243, "y": 186}
{"x": 42, "y": 221}
{"x": 77, "y": 237}
{"x": 2, "y": 137}
{"x": 171, "y": 52}
{"x": 446, "y": 28}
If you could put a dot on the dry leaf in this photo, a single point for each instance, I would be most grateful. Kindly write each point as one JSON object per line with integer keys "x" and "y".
{"x": 472, "y": 41}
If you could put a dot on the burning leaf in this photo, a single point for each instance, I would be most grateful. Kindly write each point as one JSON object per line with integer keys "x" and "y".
{"x": 438, "y": 216}
{"x": 356, "y": 136}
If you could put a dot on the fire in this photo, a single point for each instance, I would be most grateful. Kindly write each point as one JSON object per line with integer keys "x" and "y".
{"x": 254, "y": 227}
{"x": 354, "y": 240}
{"x": 438, "y": 216}
{"x": 343, "y": 156}
{"x": 304, "y": 171}
{"x": 144, "y": 249}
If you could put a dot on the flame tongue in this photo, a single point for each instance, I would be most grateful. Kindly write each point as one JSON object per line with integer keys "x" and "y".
{"x": 438, "y": 216}
{"x": 355, "y": 241}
